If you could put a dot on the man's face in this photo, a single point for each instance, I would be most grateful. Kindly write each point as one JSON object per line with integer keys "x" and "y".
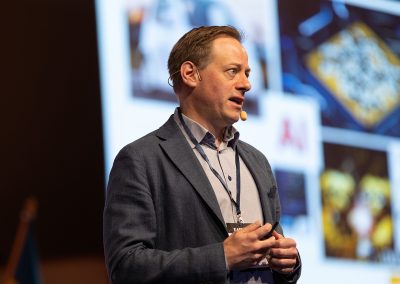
{"x": 219, "y": 96}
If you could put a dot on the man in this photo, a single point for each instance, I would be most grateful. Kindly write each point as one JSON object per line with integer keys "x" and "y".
{"x": 180, "y": 200}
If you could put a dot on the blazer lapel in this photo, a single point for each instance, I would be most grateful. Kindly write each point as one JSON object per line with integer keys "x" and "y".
{"x": 259, "y": 176}
{"x": 181, "y": 154}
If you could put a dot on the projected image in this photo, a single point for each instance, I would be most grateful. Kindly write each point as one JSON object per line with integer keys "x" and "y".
{"x": 330, "y": 128}
{"x": 356, "y": 204}
{"x": 349, "y": 59}
{"x": 292, "y": 193}
{"x": 155, "y": 26}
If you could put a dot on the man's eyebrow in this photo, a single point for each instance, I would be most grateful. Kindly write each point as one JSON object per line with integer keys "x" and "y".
{"x": 240, "y": 66}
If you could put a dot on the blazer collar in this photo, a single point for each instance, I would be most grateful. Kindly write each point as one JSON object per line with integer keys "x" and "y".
{"x": 181, "y": 154}
{"x": 257, "y": 170}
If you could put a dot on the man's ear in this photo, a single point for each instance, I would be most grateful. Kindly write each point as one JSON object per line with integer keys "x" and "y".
{"x": 189, "y": 73}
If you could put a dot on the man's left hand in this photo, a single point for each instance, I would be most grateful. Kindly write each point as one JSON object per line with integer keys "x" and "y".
{"x": 283, "y": 257}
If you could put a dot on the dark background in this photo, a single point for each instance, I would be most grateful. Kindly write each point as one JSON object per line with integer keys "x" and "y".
{"x": 51, "y": 139}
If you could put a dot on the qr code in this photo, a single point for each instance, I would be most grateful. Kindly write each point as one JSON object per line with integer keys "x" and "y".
{"x": 360, "y": 71}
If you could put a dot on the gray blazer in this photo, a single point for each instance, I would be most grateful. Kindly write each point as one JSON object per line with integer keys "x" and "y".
{"x": 162, "y": 222}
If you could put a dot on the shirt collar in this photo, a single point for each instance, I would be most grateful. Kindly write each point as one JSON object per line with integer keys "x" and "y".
{"x": 200, "y": 133}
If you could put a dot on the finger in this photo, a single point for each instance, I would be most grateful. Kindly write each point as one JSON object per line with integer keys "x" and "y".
{"x": 282, "y": 263}
{"x": 286, "y": 253}
{"x": 252, "y": 227}
{"x": 285, "y": 243}
{"x": 263, "y": 230}
{"x": 277, "y": 235}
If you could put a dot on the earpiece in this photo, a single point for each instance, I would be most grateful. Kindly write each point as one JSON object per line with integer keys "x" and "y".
{"x": 198, "y": 74}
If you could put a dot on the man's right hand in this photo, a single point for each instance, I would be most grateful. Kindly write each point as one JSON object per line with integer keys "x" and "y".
{"x": 246, "y": 247}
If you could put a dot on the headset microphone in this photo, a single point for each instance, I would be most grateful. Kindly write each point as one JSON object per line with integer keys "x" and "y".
{"x": 243, "y": 115}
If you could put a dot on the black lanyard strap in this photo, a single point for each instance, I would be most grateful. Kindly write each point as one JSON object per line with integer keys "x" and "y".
{"x": 214, "y": 171}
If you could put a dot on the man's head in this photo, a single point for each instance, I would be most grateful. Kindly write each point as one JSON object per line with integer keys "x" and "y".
{"x": 195, "y": 46}
{"x": 210, "y": 71}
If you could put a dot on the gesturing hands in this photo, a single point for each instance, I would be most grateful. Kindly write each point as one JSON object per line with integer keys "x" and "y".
{"x": 246, "y": 248}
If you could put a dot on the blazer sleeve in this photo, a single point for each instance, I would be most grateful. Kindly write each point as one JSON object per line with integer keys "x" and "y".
{"x": 130, "y": 233}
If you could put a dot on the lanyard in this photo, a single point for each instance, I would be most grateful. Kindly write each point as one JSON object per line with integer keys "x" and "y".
{"x": 214, "y": 171}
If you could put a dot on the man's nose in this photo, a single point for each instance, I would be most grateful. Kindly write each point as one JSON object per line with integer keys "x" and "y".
{"x": 244, "y": 83}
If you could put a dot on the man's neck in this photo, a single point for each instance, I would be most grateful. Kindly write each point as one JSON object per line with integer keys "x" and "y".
{"x": 218, "y": 132}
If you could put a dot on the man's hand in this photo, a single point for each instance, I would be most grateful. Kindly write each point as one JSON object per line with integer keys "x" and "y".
{"x": 246, "y": 247}
{"x": 283, "y": 257}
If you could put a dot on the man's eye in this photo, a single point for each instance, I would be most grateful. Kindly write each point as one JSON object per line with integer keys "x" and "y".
{"x": 232, "y": 72}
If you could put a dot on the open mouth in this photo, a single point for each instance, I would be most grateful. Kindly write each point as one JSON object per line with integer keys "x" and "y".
{"x": 238, "y": 101}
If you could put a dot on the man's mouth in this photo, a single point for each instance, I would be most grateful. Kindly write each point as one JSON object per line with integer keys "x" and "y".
{"x": 237, "y": 100}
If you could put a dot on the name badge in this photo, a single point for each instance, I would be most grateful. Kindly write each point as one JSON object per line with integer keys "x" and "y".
{"x": 233, "y": 227}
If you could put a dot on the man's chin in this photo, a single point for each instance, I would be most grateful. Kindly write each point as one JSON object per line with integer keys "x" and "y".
{"x": 234, "y": 119}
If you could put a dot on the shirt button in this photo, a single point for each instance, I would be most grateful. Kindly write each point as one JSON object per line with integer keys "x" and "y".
{"x": 229, "y": 177}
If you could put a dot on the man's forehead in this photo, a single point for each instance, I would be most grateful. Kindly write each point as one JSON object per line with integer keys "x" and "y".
{"x": 226, "y": 47}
